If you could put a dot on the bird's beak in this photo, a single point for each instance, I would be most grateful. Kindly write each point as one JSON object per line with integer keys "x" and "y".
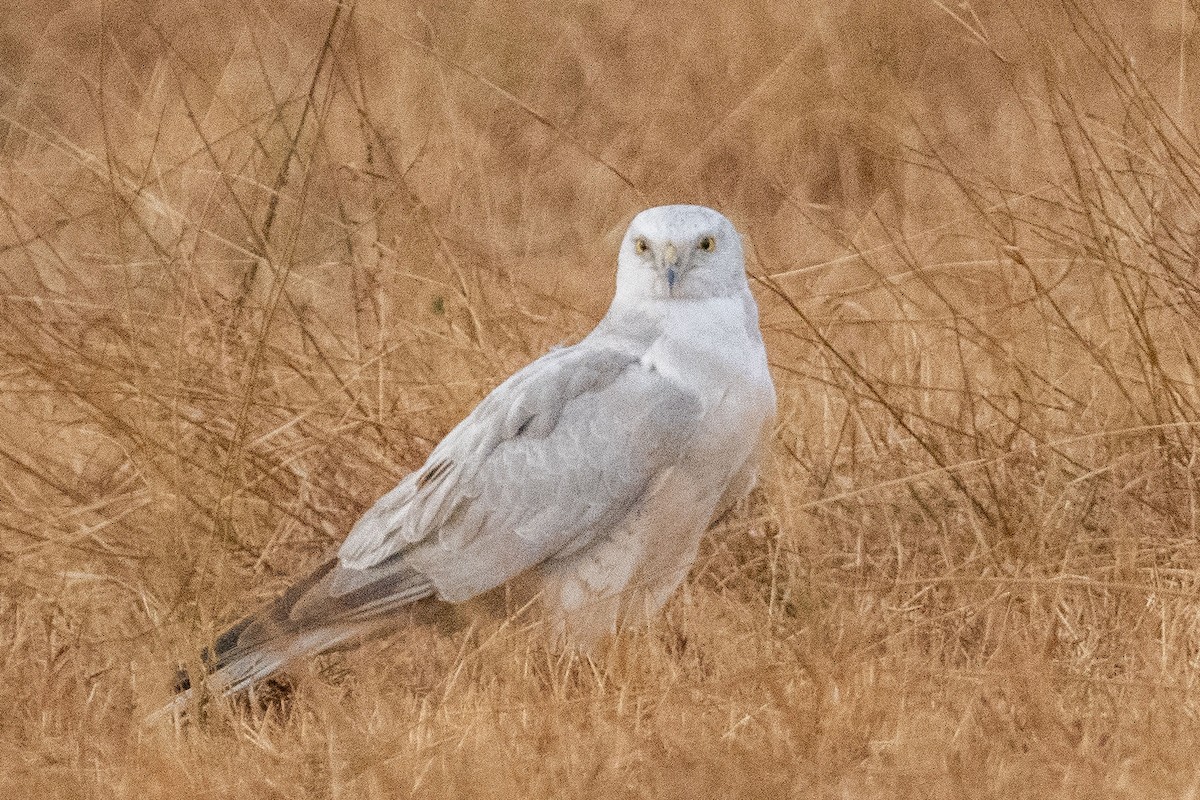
{"x": 671, "y": 259}
{"x": 670, "y": 254}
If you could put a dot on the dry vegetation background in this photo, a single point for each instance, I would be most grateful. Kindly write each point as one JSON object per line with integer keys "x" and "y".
{"x": 256, "y": 260}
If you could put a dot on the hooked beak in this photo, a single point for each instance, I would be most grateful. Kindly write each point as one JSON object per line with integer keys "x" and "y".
{"x": 671, "y": 259}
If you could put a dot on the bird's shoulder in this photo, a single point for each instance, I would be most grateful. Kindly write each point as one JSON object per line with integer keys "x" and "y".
{"x": 587, "y": 402}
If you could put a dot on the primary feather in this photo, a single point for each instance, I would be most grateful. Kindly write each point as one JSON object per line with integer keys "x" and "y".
{"x": 590, "y": 474}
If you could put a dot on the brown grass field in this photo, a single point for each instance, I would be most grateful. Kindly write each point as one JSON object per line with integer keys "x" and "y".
{"x": 255, "y": 260}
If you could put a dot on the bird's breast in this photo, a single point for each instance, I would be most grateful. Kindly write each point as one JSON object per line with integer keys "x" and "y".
{"x": 712, "y": 348}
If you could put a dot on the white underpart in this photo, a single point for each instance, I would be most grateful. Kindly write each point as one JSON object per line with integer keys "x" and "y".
{"x": 711, "y": 347}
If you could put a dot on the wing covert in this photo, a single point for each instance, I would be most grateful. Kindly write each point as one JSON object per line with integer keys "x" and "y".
{"x": 559, "y": 452}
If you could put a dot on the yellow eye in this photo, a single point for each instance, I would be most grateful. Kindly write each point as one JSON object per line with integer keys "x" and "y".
{"x": 708, "y": 244}
{"x": 640, "y": 246}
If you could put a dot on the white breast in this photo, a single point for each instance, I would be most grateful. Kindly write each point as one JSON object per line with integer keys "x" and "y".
{"x": 713, "y": 348}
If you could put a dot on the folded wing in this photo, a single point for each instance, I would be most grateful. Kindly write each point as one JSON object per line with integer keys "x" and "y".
{"x": 554, "y": 457}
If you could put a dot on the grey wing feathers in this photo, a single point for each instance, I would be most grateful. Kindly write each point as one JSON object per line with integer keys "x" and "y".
{"x": 556, "y": 454}
{"x": 528, "y": 403}
{"x": 318, "y": 612}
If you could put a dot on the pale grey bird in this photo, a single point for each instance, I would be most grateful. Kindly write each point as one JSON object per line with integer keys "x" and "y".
{"x": 587, "y": 478}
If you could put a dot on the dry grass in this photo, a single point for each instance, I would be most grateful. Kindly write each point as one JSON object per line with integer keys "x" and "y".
{"x": 256, "y": 262}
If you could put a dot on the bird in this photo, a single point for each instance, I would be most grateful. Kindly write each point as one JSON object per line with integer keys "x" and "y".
{"x": 586, "y": 479}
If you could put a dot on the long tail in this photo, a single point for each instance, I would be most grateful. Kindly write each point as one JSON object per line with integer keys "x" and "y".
{"x": 320, "y": 611}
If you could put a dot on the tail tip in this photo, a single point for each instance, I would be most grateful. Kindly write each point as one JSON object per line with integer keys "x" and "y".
{"x": 183, "y": 680}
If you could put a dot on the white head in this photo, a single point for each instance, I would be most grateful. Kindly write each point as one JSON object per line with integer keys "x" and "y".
{"x": 680, "y": 252}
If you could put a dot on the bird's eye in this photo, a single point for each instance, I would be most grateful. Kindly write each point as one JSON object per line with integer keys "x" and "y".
{"x": 640, "y": 246}
{"x": 708, "y": 244}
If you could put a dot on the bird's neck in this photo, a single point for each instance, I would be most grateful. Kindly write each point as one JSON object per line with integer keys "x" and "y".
{"x": 708, "y": 328}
